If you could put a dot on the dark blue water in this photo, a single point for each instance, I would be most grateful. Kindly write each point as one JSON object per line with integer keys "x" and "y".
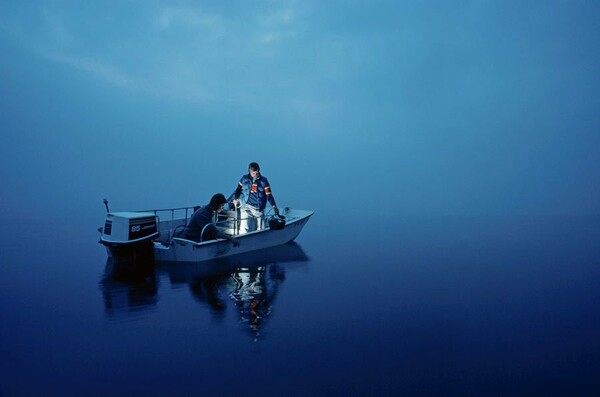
{"x": 414, "y": 306}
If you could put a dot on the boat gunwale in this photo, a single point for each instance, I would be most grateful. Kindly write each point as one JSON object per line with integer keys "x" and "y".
{"x": 183, "y": 241}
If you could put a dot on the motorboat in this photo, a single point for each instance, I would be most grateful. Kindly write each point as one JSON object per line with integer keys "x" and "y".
{"x": 152, "y": 235}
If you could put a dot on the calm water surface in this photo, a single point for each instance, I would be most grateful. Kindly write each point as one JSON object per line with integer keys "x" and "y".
{"x": 385, "y": 306}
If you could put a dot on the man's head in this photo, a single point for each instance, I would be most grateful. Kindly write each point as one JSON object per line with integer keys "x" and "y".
{"x": 217, "y": 202}
{"x": 253, "y": 169}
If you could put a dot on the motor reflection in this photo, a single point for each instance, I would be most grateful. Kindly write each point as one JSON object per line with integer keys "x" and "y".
{"x": 129, "y": 287}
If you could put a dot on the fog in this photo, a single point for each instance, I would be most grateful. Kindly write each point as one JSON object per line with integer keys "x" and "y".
{"x": 467, "y": 107}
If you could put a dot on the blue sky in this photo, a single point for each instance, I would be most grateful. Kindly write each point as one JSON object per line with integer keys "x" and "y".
{"x": 464, "y": 107}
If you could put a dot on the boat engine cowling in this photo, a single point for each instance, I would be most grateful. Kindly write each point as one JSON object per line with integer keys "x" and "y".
{"x": 129, "y": 227}
{"x": 128, "y": 234}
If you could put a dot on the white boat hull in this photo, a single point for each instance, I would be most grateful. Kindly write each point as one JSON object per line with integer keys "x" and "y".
{"x": 187, "y": 251}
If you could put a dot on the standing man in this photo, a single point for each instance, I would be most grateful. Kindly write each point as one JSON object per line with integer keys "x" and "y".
{"x": 256, "y": 192}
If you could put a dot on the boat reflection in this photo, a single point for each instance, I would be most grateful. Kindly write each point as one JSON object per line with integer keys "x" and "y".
{"x": 250, "y": 282}
{"x": 246, "y": 284}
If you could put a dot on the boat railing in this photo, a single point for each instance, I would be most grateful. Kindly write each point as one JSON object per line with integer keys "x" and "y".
{"x": 223, "y": 222}
{"x": 172, "y": 210}
{"x": 184, "y": 211}
{"x": 236, "y": 226}
{"x": 237, "y": 220}
{"x": 169, "y": 215}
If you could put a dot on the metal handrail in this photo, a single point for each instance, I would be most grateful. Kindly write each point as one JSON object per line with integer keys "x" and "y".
{"x": 266, "y": 214}
{"x": 172, "y": 211}
{"x": 236, "y": 219}
{"x": 169, "y": 209}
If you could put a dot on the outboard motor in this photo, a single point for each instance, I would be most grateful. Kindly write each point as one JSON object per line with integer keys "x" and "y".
{"x": 128, "y": 236}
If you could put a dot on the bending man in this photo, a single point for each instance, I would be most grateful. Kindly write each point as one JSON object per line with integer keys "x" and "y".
{"x": 202, "y": 217}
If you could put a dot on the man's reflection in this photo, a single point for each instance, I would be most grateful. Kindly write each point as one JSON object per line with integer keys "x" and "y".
{"x": 207, "y": 290}
{"x": 251, "y": 281}
{"x": 254, "y": 291}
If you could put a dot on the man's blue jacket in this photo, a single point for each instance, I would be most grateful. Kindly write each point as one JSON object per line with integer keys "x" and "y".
{"x": 255, "y": 192}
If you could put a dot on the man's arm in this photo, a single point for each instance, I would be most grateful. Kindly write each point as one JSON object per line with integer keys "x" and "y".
{"x": 232, "y": 240}
{"x": 270, "y": 197}
{"x": 238, "y": 191}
